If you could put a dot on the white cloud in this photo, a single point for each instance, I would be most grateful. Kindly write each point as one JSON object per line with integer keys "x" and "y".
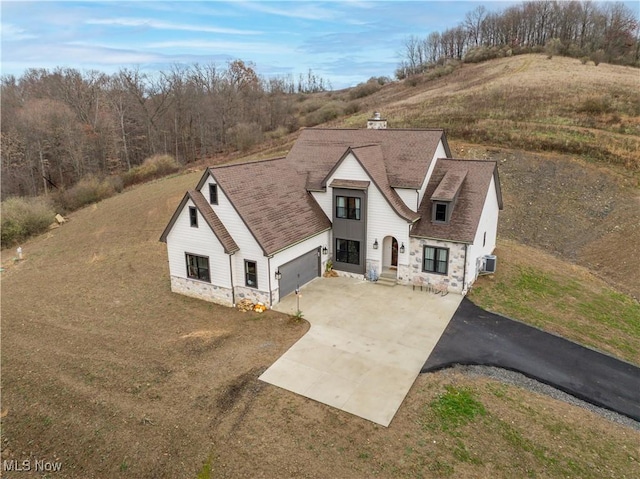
{"x": 302, "y": 10}
{"x": 12, "y": 33}
{"x": 249, "y": 47}
{"x": 80, "y": 53}
{"x": 160, "y": 25}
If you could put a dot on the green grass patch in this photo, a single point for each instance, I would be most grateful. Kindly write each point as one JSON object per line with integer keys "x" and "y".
{"x": 596, "y": 316}
{"x": 455, "y": 408}
{"x": 207, "y": 469}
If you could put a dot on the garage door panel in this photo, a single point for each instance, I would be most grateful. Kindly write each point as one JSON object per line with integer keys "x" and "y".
{"x": 298, "y": 272}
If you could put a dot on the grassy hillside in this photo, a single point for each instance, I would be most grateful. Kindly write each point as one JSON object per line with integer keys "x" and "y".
{"x": 526, "y": 102}
{"x": 562, "y": 298}
{"x": 107, "y": 371}
{"x": 567, "y": 138}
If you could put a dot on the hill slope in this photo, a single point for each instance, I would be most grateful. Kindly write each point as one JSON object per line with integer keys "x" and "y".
{"x": 567, "y": 138}
{"x": 106, "y": 370}
{"x": 109, "y": 372}
{"x": 526, "y": 102}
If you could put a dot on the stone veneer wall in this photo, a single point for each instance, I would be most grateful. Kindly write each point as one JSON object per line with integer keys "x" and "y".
{"x": 404, "y": 274}
{"x": 455, "y": 277}
{"x": 254, "y": 295}
{"x": 346, "y": 274}
{"x": 202, "y": 290}
{"x": 275, "y": 296}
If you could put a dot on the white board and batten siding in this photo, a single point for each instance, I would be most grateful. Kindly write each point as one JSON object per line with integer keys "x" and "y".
{"x": 409, "y": 197}
{"x": 249, "y": 247}
{"x": 488, "y": 224}
{"x": 325, "y": 201}
{"x": 318, "y": 241}
{"x": 184, "y": 238}
{"x": 382, "y": 220}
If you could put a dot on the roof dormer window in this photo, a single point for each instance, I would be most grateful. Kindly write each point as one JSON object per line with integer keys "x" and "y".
{"x": 445, "y": 196}
{"x": 441, "y": 211}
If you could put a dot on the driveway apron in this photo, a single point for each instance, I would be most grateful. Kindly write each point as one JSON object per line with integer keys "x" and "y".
{"x": 366, "y": 345}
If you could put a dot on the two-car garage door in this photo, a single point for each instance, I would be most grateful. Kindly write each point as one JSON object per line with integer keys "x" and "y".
{"x": 299, "y": 271}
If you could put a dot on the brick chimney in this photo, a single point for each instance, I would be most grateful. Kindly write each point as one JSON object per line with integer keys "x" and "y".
{"x": 376, "y": 123}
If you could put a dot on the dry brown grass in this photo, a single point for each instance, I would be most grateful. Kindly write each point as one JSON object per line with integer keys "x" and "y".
{"x": 526, "y": 102}
{"x": 107, "y": 371}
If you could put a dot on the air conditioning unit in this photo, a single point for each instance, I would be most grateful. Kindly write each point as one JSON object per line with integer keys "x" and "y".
{"x": 488, "y": 264}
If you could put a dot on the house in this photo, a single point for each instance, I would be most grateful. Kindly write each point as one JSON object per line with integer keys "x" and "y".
{"x": 379, "y": 203}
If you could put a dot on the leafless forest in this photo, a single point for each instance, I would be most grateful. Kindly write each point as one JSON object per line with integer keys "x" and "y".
{"x": 62, "y": 125}
{"x": 601, "y": 32}
{"x": 59, "y": 126}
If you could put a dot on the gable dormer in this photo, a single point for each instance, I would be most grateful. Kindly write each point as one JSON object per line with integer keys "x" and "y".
{"x": 444, "y": 197}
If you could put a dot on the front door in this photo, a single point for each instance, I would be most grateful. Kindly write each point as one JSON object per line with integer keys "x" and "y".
{"x": 394, "y": 253}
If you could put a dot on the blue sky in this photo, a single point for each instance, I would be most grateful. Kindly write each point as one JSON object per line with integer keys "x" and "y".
{"x": 345, "y": 42}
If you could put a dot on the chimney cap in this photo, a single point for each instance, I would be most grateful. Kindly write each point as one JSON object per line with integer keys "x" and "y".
{"x": 377, "y": 122}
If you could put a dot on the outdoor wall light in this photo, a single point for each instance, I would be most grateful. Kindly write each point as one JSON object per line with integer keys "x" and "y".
{"x": 325, "y": 250}
{"x": 278, "y": 275}
{"x": 402, "y": 248}
{"x": 375, "y": 244}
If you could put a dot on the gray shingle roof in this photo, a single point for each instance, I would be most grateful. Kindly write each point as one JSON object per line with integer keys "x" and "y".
{"x": 449, "y": 186}
{"x": 210, "y": 218}
{"x": 272, "y": 200}
{"x": 407, "y": 153}
{"x": 272, "y": 196}
{"x": 465, "y": 217}
{"x": 352, "y": 184}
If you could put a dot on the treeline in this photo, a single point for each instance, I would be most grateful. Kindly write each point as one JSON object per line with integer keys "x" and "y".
{"x": 608, "y": 32}
{"x": 64, "y": 125}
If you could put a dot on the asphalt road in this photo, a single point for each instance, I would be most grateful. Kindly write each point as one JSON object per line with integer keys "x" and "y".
{"x": 477, "y": 337}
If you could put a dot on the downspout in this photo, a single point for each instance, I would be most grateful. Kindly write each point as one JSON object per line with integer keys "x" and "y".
{"x": 269, "y": 273}
{"x": 233, "y": 289}
{"x": 464, "y": 269}
{"x": 417, "y": 200}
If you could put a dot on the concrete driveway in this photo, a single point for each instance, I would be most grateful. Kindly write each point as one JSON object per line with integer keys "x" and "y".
{"x": 366, "y": 345}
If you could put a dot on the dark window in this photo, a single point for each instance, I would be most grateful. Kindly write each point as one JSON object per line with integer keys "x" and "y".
{"x": 198, "y": 267}
{"x": 251, "y": 274}
{"x": 347, "y": 251}
{"x": 436, "y": 260}
{"x": 193, "y": 216}
{"x": 213, "y": 194}
{"x": 348, "y": 207}
{"x": 440, "y": 212}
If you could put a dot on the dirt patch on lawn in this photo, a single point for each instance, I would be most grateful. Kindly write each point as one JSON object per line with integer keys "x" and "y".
{"x": 578, "y": 211}
{"x": 109, "y": 373}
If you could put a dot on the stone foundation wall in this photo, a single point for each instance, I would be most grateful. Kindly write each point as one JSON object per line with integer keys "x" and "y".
{"x": 404, "y": 274}
{"x": 346, "y": 274}
{"x": 254, "y": 295}
{"x": 202, "y": 290}
{"x": 454, "y": 278}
